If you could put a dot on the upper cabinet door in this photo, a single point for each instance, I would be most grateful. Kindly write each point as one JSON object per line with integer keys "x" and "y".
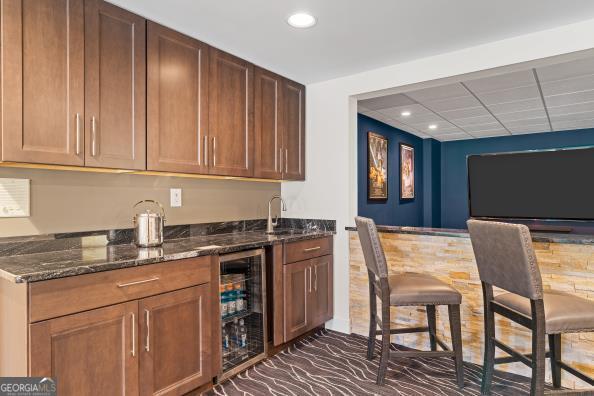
{"x": 268, "y": 101}
{"x": 231, "y": 115}
{"x": 177, "y": 106}
{"x": 294, "y": 131}
{"x": 43, "y": 81}
{"x": 115, "y": 81}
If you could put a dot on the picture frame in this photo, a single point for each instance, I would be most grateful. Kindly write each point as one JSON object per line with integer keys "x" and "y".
{"x": 407, "y": 171}
{"x": 377, "y": 167}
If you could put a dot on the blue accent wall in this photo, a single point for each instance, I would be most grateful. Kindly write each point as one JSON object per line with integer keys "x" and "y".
{"x": 392, "y": 211}
{"x": 441, "y": 174}
{"x": 454, "y": 188}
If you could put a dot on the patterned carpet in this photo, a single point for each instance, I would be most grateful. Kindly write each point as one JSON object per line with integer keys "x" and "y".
{"x": 330, "y": 363}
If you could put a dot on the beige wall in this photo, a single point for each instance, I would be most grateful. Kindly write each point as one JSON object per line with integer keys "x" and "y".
{"x": 63, "y": 201}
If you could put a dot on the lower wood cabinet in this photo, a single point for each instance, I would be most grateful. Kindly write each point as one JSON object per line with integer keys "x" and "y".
{"x": 89, "y": 353}
{"x": 307, "y": 298}
{"x": 157, "y": 344}
{"x": 175, "y": 343}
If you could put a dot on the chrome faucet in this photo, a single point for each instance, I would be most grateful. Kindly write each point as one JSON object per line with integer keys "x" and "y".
{"x": 271, "y": 224}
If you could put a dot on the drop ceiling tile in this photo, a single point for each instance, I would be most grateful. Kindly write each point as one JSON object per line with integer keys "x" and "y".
{"x": 383, "y": 102}
{"x": 416, "y": 110}
{"x": 569, "y": 125}
{"x": 454, "y": 136}
{"x": 436, "y": 93}
{"x": 460, "y": 102}
{"x": 503, "y": 81}
{"x": 586, "y": 115}
{"x": 566, "y": 70}
{"x": 577, "y": 84}
{"x": 509, "y": 95}
{"x": 481, "y": 120}
{"x": 520, "y": 105}
{"x": 572, "y": 108}
{"x": 532, "y": 128}
{"x": 522, "y": 115}
{"x": 526, "y": 123}
{"x": 497, "y": 132}
{"x": 483, "y": 127}
{"x": 570, "y": 98}
{"x": 464, "y": 113}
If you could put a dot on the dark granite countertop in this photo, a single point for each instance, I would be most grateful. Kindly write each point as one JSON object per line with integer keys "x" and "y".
{"x": 79, "y": 260}
{"x": 456, "y": 233}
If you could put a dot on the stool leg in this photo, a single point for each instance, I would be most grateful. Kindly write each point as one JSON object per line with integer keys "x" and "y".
{"x": 489, "y": 359}
{"x": 555, "y": 348}
{"x": 456, "y": 332}
{"x": 538, "y": 348}
{"x": 431, "y": 323}
{"x": 372, "y": 321}
{"x": 385, "y": 353}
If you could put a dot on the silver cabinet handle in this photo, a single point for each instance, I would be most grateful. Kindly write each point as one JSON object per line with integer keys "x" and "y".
{"x": 147, "y": 346}
{"x": 77, "y": 133}
{"x": 133, "y": 323}
{"x": 93, "y": 136}
{"x": 279, "y": 165}
{"x": 312, "y": 249}
{"x": 286, "y": 160}
{"x": 214, "y": 151}
{"x": 316, "y": 279}
{"x": 205, "y": 150}
{"x": 310, "y": 279}
{"x": 156, "y": 278}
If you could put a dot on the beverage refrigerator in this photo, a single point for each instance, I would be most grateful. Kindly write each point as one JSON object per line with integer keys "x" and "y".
{"x": 242, "y": 294}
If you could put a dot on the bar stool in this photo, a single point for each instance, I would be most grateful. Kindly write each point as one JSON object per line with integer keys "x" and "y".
{"x": 506, "y": 259}
{"x": 406, "y": 289}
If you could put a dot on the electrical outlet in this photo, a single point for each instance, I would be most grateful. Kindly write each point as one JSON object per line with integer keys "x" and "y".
{"x": 176, "y": 197}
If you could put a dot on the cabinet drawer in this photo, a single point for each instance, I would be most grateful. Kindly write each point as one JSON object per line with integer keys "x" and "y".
{"x": 58, "y": 297}
{"x": 304, "y": 250}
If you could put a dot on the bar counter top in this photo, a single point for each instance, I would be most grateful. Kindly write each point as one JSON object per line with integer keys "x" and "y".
{"x": 543, "y": 237}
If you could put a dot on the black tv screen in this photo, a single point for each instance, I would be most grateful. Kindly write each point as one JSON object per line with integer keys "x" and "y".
{"x": 557, "y": 184}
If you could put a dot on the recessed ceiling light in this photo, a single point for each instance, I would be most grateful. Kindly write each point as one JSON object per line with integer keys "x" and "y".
{"x": 301, "y": 20}
{"x": 432, "y": 126}
{"x": 405, "y": 113}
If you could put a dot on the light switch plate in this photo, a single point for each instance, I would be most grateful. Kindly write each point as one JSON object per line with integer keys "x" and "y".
{"x": 14, "y": 197}
{"x": 176, "y": 197}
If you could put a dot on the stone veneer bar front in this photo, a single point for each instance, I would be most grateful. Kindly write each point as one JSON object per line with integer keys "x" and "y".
{"x": 566, "y": 263}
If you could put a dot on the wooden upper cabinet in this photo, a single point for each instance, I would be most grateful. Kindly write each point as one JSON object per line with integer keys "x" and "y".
{"x": 43, "y": 81}
{"x": 177, "y": 101}
{"x": 90, "y": 353}
{"x": 115, "y": 87}
{"x": 294, "y": 131}
{"x": 268, "y": 125}
{"x": 230, "y": 115}
{"x": 175, "y": 341}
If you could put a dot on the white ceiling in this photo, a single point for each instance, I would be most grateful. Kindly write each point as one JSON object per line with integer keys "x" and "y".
{"x": 545, "y": 99}
{"x": 354, "y": 35}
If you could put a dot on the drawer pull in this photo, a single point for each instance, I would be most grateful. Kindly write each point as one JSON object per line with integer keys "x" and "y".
{"x": 312, "y": 249}
{"x": 156, "y": 278}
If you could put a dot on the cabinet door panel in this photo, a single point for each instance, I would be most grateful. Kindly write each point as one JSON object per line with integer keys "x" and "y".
{"x": 268, "y": 100}
{"x": 90, "y": 353}
{"x": 115, "y": 132}
{"x": 296, "y": 299}
{"x": 231, "y": 115}
{"x": 175, "y": 341}
{"x": 294, "y": 136}
{"x": 321, "y": 304}
{"x": 43, "y": 81}
{"x": 177, "y": 101}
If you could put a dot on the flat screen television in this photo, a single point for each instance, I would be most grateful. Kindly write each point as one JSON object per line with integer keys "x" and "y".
{"x": 542, "y": 185}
